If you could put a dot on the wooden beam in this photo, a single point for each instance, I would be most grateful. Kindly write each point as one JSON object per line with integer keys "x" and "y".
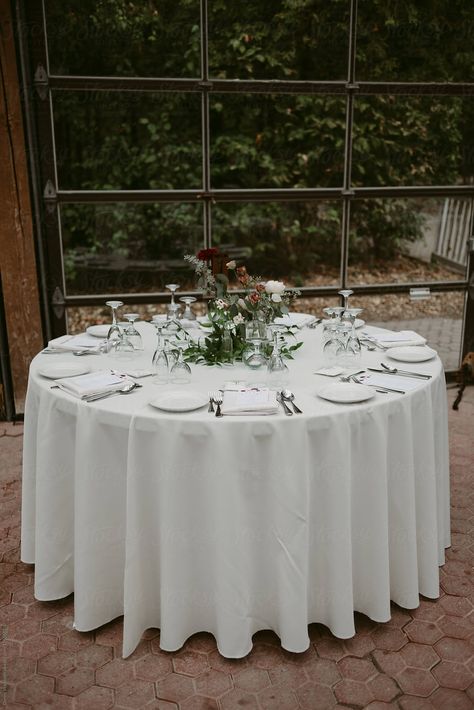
{"x": 17, "y": 252}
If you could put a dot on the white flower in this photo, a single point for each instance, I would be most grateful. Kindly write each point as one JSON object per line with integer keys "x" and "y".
{"x": 220, "y": 303}
{"x": 231, "y": 264}
{"x": 238, "y": 319}
{"x": 276, "y": 288}
{"x": 276, "y": 298}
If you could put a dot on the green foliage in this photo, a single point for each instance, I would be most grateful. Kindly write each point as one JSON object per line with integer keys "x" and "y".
{"x": 153, "y": 141}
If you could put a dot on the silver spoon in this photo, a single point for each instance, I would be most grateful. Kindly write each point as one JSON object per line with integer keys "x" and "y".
{"x": 286, "y": 408}
{"x": 290, "y": 397}
{"x": 394, "y": 371}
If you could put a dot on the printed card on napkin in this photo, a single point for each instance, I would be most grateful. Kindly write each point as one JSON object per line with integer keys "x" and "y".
{"x": 69, "y": 343}
{"x": 92, "y": 383}
{"x": 249, "y": 400}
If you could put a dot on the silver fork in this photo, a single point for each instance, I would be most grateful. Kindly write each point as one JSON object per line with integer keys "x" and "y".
{"x": 211, "y": 402}
{"x": 218, "y": 398}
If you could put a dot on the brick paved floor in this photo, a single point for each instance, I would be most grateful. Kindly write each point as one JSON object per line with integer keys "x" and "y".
{"x": 421, "y": 659}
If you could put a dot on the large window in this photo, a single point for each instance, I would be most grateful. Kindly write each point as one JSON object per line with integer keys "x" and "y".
{"x": 328, "y": 143}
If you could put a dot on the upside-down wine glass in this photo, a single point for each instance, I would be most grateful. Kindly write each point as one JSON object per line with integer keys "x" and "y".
{"x": 353, "y": 345}
{"x": 345, "y": 293}
{"x": 131, "y": 332}
{"x": 160, "y": 361}
{"x": 277, "y": 370}
{"x": 188, "y": 313}
{"x": 180, "y": 373}
{"x": 115, "y": 331}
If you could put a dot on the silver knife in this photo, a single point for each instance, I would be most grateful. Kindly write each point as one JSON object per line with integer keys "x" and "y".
{"x": 402, "y": 373}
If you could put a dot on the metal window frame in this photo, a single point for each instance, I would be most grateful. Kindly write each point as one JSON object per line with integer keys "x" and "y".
{"x": 49, "y": 229}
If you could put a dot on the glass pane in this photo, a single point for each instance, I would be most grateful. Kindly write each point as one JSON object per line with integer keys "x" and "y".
{"x": 438, "y": 319}
{"x": 130, "y": 140}
{"x": 80, "y": 317}
{"x": 402, "y": 240}
{"x": 413, "y": 140}
{"x": 279, "y": 39}
{"x": 125, "y": 248}
{"x": 120, "y": 38}
{"x": 297, "y": 242}
{"x": 277, "y": 141}
{"x": 427, "y": 40}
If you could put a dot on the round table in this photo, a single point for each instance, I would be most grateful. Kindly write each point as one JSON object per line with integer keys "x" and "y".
{"x": 191, "y": 523}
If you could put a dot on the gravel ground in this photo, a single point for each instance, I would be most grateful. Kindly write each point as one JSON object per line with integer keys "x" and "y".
{"x": 387, "y": 307}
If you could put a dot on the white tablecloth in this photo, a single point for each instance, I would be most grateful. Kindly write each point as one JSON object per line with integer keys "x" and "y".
{"x": 191, "y": 523}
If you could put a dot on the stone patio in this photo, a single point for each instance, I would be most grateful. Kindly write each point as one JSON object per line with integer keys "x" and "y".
{"x": 421, "y": 659}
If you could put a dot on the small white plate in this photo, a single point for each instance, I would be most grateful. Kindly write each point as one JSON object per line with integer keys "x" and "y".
{"x": 98, "y": 331}
{"x": 58, "y": 371}
{"x": 346, "y": 393}
{"x": 180, "y": 401}
{"x": 411, "y": 353}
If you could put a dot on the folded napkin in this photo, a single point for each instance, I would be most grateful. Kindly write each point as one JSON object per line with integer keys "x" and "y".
{"x": 69, "y": 343}
{"x": 249, "y": 400}
{"x": 93, "y": 383}
{"x": 394, "y": 339}
{"x": 391, "y": 381}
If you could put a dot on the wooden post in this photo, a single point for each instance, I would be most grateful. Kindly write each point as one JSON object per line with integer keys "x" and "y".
{"x": 17, "y": 253}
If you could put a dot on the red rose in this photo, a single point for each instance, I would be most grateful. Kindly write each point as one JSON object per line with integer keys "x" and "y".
{"x": 206, "y": 254}
{"x": 254, "y": 298}
{"x": 260, "y": 287}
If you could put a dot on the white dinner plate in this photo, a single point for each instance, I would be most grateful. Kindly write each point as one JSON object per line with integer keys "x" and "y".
{"x": 98, "y": 331}
{"x": 411, "y": 353}
{"x": 68, "y": 369}
{"x": 346, "y": 393}
{"x": 180, "y": 401}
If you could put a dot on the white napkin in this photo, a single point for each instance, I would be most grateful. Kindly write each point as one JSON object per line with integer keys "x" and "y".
{"x": 249, "y": 400}
{"x": 93, "y": 383}
{"x": 391, "y": 381}
{"x": 69, "y": 343}
{"x": 392, "y": 338}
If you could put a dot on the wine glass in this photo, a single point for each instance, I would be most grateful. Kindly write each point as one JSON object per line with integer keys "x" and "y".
{"x": 115, "y": 331}
{"x": 253, "y": 355}
{"x": 173, "y": 307}
{"x": 277, "y": 370}
{"x": 188, "y": 313}
{"x": 180, "y": 372}
{"x": 353, "y": 345}
{"x": 334, "y": 313}
{"x": 345, "y": 293}
{"x": 160, "y": 358}
{"x": 131, "y": 332}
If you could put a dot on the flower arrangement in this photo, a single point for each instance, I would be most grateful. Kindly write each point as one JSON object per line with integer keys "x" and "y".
{"x": 229, "y": 312}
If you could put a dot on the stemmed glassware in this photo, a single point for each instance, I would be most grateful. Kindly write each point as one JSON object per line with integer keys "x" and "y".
{"x": 180, "y": 372}
{"x": 115, "y": 331}
{"x": 353, "y": 345}
{"x": 160, "y": 361}
{"x": 131, "y": 332}
{"x": 277, "y": 370}
{"x": 188, "y": 311}
{"x": 173, "y": 307}
{"x": 345, "y": 293}
{"x": 253, "y": 355}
